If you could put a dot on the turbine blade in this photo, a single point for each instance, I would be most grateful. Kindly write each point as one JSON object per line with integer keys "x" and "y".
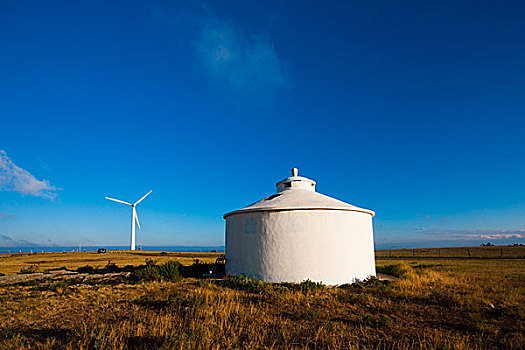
{"x": 118, "y": 200}
{"x": 140, "y": 200}
{"x": 136, "y": 217}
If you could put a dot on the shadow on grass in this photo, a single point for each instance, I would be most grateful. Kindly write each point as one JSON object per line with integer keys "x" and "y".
{"x": 60, "y": 337}
{"x": 144, "y": 342}
{"x": 38, "y": 334}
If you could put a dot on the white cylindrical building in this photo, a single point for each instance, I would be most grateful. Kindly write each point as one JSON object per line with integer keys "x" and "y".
{"x": 299, "y": 234}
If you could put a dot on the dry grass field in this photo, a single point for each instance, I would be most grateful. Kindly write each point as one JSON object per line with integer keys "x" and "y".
{"x": 14, "y": 262}
{"x": 490, "y": 252}
{"x": 440, "y": 303}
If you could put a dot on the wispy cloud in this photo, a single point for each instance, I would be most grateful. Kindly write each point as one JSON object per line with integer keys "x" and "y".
{"x": 426, "y": 237}
{"x": 15, "y": 179}
{"x": 246, "y": 62}
{"x": 476, "y": 234}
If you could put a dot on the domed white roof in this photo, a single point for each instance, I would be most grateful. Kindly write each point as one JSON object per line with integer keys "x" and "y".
{"x": 297, "y": 192}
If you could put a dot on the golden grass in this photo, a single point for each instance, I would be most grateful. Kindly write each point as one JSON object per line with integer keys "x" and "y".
{"x": 490, "y": 252}
{"x": 12, "y": 263}
{"x": 438, "y": 304}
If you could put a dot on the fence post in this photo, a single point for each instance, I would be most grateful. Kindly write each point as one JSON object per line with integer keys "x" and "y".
{"x": 390, "y": 251}
{"x": 468, "y": 251}
{"x": 501, "y": 252}
{"x": 439, "y": 252}
{"x": 413, "y": 252}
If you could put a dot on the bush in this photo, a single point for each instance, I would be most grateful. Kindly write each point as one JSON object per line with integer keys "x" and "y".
{"x": 150, "y": 262}
{"x": 148, "y": 273}
{"x": 242, "y": 282}
{"x": 111, "y": 267}
{"x": 128, "y": 268}
{"x": 309, "y": 286}
{"x": 370, "y": 283}
{"x": 305, "y": 286}
{"x": 169, "y": 271}
{"x": 252, "y": 285}
{"x": 197, "y": 269}
{"x": 29, "y": 269}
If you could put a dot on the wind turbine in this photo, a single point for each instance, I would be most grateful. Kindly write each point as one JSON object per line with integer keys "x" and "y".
{"x": 134, "y": 216}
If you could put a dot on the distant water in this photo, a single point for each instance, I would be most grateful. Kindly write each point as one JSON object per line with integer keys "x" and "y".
{"x": 172, "y": 248}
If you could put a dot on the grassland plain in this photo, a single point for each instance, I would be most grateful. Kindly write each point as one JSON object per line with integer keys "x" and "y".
{"x": 14, "y": 262}
{"x": 441, "y": 303}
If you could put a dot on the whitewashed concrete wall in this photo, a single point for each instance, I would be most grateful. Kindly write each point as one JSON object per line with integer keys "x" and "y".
{"x": 329, "y": 246}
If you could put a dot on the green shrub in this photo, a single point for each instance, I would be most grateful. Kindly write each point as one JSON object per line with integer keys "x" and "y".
{"x": 150, "y": 262}
{"x": 309, "y": 286}
{"x": 400, "y": 270}
{"x": 305, "y": 286}
{"x": 370, "y": 283}
{"x": 148, "y": 273}
{"x": 245, "y": 283}
{"x": 169, "y": 271}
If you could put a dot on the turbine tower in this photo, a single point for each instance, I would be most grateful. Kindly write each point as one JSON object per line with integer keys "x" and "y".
{"x": 134, "y": 216}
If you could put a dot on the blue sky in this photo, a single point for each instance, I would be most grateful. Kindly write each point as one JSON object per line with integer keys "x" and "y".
{"x": 412, "y": 109}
